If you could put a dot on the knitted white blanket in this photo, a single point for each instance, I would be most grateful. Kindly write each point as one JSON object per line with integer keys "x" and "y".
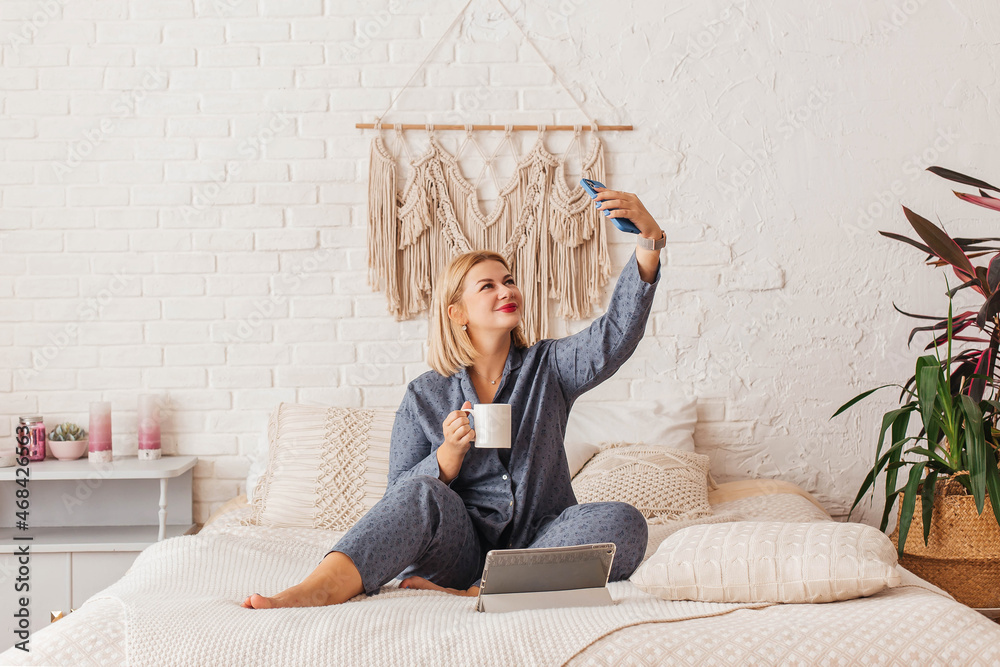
{"x": 182, "y": 603}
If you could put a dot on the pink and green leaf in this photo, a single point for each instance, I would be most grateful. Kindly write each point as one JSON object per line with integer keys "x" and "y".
{"x": 986, "y": 202}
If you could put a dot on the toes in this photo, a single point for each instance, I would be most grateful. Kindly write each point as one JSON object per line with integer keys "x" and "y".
{"x": 260, "y": 602}
{"x": 420, "y": 583}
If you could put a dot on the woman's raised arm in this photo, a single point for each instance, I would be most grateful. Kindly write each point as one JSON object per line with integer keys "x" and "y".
{"x": 589, "y": 357}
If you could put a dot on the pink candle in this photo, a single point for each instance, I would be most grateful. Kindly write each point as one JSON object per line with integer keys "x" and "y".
{"x": 99, "y": 445}
{"x": 149, "y": 421}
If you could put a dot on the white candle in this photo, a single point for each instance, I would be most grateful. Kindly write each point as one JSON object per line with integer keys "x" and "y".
{"x": 149, "y": 421}
{"x": 100, "y": 426}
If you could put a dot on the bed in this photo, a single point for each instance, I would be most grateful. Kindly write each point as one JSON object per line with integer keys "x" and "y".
{"x": 179, "y": 604}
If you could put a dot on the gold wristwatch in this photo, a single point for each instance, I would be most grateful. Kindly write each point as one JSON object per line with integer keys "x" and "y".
{"x": 650, "y": 244}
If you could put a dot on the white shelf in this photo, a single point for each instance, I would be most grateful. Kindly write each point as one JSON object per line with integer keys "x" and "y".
{"x": 120, "y": 467}
{"x": 87, "y": 538}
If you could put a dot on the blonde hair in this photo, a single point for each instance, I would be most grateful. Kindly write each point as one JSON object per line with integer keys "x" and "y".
{"x": 450, "y": 348}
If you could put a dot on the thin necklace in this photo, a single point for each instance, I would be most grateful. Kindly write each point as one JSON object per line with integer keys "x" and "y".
{"x": 486, "y": 378}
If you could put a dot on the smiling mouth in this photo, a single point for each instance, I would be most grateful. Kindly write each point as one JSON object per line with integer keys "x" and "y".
{"x": 508, "y": 309}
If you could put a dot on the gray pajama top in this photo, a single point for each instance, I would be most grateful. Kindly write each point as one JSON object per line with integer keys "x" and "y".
{"x": 509, "y": 503}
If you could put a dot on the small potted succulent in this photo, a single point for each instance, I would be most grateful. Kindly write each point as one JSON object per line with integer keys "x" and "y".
{"x": 67, "y": 441}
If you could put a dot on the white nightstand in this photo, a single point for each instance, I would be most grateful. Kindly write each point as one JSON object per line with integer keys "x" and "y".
{"x": 88, "y": 522}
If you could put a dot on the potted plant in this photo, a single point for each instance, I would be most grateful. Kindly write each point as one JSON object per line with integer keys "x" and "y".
{"x": 67, "y": 441}
{"x": 953, "y": 461}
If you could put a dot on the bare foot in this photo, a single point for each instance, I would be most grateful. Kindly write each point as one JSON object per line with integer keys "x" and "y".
{"x": 422, "y": 584}
{"x": 296, "y": 596}
{"x": 335, "y": 580}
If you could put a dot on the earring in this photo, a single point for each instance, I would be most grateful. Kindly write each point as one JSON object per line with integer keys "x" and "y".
{"x": 464, "y": 328}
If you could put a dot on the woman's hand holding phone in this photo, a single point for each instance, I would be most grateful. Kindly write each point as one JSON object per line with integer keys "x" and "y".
{"x": 629, "y": 215}
{"x": 627, "y": 205}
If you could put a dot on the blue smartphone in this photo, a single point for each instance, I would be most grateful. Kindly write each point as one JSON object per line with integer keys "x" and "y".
{"x": 624, "y": 224}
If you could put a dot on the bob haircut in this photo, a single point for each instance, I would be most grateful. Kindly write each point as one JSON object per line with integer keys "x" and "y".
{"x": 449, "y": 347}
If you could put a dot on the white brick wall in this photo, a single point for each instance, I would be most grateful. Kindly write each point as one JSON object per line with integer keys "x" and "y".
{"x": 182, "y": 203}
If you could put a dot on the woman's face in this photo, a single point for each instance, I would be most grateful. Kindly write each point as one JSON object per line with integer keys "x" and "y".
{"x": 490, "y": 299}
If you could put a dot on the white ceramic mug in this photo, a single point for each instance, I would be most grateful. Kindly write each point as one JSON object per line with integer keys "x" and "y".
{"x": 491, "y": 422}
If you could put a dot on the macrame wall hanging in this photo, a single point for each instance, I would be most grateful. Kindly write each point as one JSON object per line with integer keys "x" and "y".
{"x": 548, "y": 231}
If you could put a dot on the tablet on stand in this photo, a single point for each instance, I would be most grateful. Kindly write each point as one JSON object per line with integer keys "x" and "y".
{"x": 574, "y": 576}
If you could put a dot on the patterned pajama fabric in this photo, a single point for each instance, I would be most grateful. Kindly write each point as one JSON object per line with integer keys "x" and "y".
{"x": 418, "y": 527}
{"x": 426, "y": 524}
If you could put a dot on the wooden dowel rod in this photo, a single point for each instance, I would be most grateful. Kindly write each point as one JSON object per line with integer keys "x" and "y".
{"x": 545, "y": 127}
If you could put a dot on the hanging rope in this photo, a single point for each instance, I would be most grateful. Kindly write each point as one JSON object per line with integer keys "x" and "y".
{"x": 458, "y": 17}
{"x": 547, "y": 64}
{"x": 430, "y": 53}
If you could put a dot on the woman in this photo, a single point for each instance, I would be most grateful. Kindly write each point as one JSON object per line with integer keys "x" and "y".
{"x": 447, "y": 502}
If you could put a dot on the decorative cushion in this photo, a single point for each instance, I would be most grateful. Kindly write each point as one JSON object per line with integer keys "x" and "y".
{"x": 326, "y": 466}
{"x": 770, "y": 561}
{"x": 668, "y": 421}
{"x": 664, "y": 484}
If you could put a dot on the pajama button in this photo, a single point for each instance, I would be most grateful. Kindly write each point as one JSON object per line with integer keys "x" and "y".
{"x": 505, "y": 476}
{"x": 511, "y": 503}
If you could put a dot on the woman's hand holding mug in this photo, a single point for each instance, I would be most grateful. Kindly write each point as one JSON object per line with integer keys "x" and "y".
{"x": 458, "y": 434}
{"x": 458, "y": 437}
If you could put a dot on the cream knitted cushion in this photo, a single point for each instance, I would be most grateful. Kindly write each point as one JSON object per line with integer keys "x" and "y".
{"x": 664, "y": 484}
{"x": 770, "y": 561}
{"x": 326, "y": 466}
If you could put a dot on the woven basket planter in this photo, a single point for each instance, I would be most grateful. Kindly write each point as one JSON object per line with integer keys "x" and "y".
{"x": 962, "y": 554}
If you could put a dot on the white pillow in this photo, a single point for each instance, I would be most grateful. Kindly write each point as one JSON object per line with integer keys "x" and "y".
{"x": 668, "y": 421}
{"x": 770, "y": 561}
{"x": 326, "y": 467}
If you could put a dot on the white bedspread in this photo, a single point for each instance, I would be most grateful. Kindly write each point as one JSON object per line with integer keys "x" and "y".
{"x": 182, "y": 607}
{"x": 180, "y": 604}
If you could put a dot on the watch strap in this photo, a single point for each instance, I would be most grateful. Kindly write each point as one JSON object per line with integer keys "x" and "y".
{"x": 650, "y": 244}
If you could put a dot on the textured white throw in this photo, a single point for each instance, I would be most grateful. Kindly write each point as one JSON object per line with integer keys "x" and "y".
{"x": 182, "y": 603}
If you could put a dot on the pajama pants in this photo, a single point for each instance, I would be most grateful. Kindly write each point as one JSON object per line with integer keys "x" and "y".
{"x": 422, "y": 528}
